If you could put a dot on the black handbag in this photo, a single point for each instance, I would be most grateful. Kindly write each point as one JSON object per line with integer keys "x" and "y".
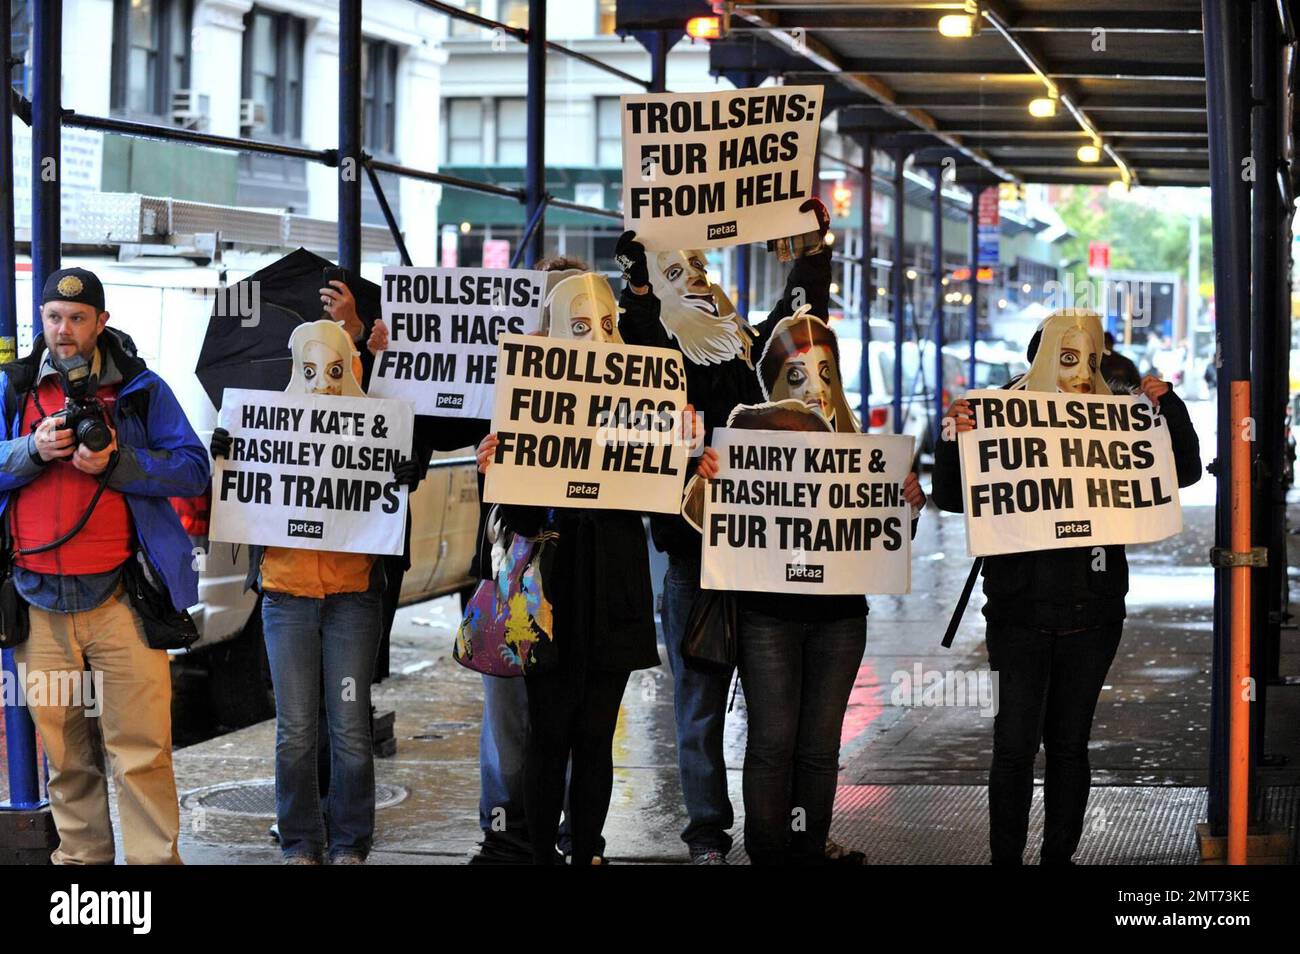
{"x": 709, "y": 644}
{"x": 165, "y": 627}
{"x": 15, "y": 624}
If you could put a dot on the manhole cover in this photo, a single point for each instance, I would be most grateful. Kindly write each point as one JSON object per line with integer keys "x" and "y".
{"x": 256, "y": 797}
{"x": 440, "y": 730}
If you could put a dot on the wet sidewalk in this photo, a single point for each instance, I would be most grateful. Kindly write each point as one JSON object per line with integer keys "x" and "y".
{"x": 912, "y": 775}
{"x": 912, "y": 771}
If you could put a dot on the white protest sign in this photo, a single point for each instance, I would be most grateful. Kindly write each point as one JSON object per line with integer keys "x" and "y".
{"x": 1047, "y": 471}
{"x": 801, "y": 512}
{"x": 706, "y": 170}
{"x": 443, "y": 326}
{"x": 311, "y": 471}
{"x": 588, "y": 424}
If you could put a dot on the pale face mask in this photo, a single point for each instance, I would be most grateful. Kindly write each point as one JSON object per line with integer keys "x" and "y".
{"x": 684, "y": 276}
{"x": 809, "y": 378}
{"x": 322, "y": 360}
{"x": 582, "y": 307}
{"x": 1076, "y": 363}
{"x": 322, "y": 369}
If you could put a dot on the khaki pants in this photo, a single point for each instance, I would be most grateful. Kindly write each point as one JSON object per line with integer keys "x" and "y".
{"x": 135, "y": 724}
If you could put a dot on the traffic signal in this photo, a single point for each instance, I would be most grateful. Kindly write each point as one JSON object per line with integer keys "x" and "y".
{"x": 841, "y": 200}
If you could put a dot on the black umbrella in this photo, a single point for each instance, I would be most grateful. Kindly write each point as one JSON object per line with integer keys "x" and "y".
{"x": 247, "y": 341}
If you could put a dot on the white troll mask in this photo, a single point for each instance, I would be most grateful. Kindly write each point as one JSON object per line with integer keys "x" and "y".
{"x": 696, "y": 312}
{"x": 322, "y": 360}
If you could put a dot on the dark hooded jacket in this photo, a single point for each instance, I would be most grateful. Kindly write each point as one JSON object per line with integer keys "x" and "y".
{"x": 1062, "y": 589}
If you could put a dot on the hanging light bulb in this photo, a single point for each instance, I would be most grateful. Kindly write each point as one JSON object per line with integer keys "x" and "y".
{"x": 1043, "y": 107}
{"x": 961, "y": 25}
{"x": 1090, "y": 152}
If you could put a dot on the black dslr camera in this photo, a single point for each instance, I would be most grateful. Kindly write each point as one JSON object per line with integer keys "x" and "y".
{"x": 83, "y": 413}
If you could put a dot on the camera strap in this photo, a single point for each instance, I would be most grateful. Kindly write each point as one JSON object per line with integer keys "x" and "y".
{"x": 90, "y": 507}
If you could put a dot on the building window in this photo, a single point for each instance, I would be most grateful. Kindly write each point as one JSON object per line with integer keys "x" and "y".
{"x": 605, "y": 10}
{"x": 464, "y": 27}
{"x": 513, "y": 13}
{"x": 272, "y": 76}
{"x": 464, "y": 132}
{"x": 379, "y": 97}
{"x": 609, "y": 133}
{"x": 151, "y": 55}
{"x": 512, "y": 132}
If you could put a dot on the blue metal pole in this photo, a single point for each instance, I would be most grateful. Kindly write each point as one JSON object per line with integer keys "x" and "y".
{"x": 936, "y": 282}
{"x": 20, "y": 743}
{"x": 742, "y": 281}
{"x": 1226, "y": 101}
{"x": 660, "y": 43}
{"x": 8, "y": 292}
{"x": 47, "y": 71}
{"x": 867, "y": 284}
{"x": 972, "y": 310}
{"x": 896, "y": 281}
{"x": 47, "y": 156}
{"x": 535, "y": 171}
{"x": 350, "y": 158}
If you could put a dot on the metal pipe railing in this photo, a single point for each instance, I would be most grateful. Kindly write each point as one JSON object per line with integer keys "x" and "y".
{"x": 522, "y": 35}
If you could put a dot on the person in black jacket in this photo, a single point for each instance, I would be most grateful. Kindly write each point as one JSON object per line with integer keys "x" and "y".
{"x": 598, "y": 583}
{"x": 668, "y": 302}
{"x": 1054, "y": 617}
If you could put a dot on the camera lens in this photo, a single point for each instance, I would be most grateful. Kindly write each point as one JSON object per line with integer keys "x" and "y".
{"x": 94, "y": 434}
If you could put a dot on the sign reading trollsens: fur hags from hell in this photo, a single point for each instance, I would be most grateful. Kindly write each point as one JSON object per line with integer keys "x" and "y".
{"x": 314, "y": 472}
{"x": 588, "y": 424}
{"x": 1053, "y": 471}
{"x": 794, "y": 512}
{"x": 444, "y": 324}
{"x": 708, "y": 170}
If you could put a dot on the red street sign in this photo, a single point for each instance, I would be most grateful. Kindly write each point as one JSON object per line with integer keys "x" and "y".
{"x": 988, "y": 207}
{"x": 496, "y": 253}
{"x": 1099, "y": 255}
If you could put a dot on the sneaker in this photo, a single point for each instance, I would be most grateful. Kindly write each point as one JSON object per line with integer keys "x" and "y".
{"x": 708, "y": 856}
{"x": 837, "y": 854}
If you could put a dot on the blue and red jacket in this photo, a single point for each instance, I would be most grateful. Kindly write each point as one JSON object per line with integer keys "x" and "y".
{"x": 159, "y": 456}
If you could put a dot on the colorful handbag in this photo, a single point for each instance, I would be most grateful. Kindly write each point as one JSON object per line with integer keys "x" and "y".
{"x": 506, "y": 630}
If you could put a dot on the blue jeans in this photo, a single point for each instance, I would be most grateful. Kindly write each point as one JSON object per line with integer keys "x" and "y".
{"x": 797, "y": 678}
{"x": 502, "y": 740}
{"x": 340, "y": 634}
{"x": 699, "y": 708}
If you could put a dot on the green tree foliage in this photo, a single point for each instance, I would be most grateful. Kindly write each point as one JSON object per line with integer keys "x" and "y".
{"x": 1141, "y": 236}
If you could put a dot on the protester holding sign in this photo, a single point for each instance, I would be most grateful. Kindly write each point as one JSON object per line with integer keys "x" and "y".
{"x": 672, "y": 304}
{"x": 798, "y": 654}
{"x": 321, "y": 616}
{"x": 598, "y": 582}
{"x": 1054, "y": 617}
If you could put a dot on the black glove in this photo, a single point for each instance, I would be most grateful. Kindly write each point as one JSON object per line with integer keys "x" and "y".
{"x": 629, "y": 254}
{"x": 407, "y": 472}
{"x": 221, "y": 441}
{"x": 823, "y": 215}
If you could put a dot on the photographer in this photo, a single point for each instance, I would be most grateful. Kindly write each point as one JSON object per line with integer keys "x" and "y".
{"x": 95, "y": 444}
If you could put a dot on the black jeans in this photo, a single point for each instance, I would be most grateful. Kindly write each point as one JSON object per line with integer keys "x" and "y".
{"x": 570, "y": 715}
{"x": 1048, "y": 684}
{"x": 797, "y": 678}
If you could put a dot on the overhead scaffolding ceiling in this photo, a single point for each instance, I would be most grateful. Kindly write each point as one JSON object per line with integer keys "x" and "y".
{"x": 1129, "y": 76}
